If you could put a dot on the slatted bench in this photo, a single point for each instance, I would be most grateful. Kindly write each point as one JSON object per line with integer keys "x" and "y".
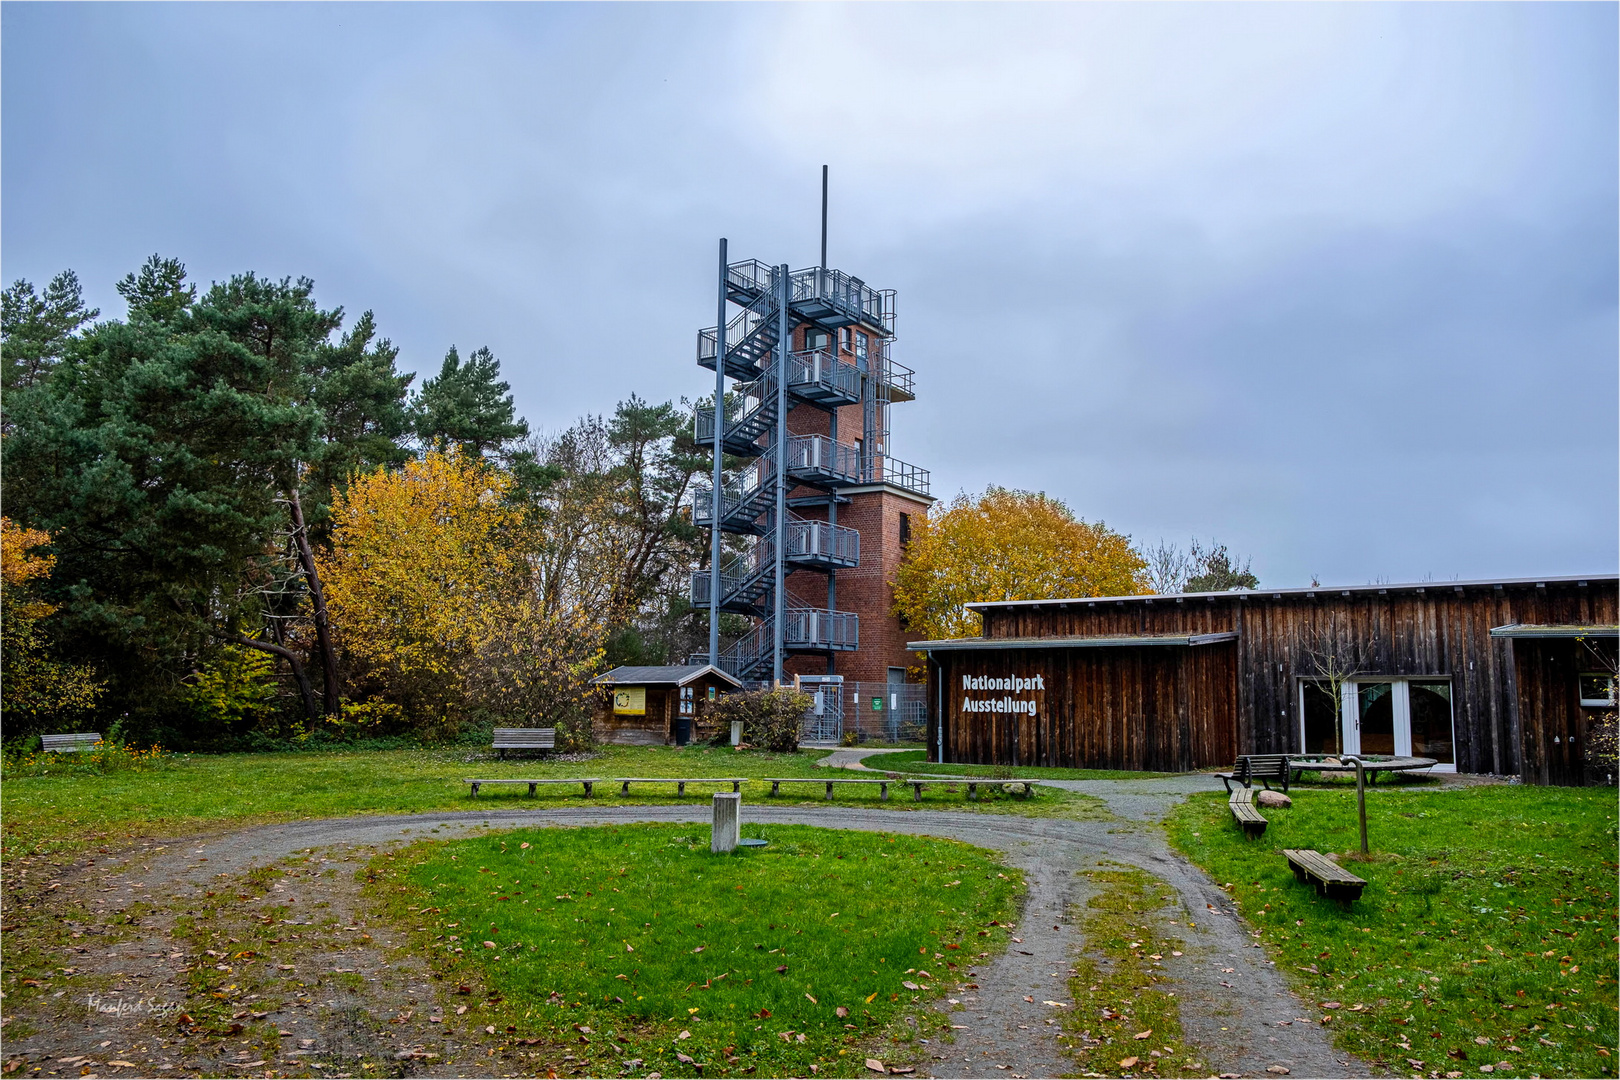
{"x": 883, "y": 784}
{"x": 1245, "y": 813}
{"x": 1331, "y": 879}
{"x": 524, "y": 738}
{"x": 624, "y": 782}
{"x": 1262, "y": 767}
{"x": 587, "y": 781}
{"x": 70, "y": 744}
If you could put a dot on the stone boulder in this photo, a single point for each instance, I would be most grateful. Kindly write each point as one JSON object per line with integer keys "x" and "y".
{"x": 1274, "y": 799}
{"x": 1021, "y": 791}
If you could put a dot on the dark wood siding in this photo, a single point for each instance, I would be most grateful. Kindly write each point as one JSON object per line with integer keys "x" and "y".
{"x": 1166, "y": 708}
{"x": 1127, "y": 708}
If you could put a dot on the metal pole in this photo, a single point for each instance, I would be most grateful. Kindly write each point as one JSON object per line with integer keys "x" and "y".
{"x": 1361, "y": 802}
{"x": 824, "y": 217}
{"x": 719, "y": 432}
{"x": 783, "y": 288}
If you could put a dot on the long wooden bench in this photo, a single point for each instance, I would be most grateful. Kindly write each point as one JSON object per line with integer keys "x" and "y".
{"x": 883, "y": 784}
{"x": 1262, "y": 767}
{"x": 1331, "y": 879}
{"x": 70, "y": 744}
{"x": 524, "y": 738}
{"x": 1245, "y": 813}
{"x": 587, "y": 781}
{"x": 624, "y": 782}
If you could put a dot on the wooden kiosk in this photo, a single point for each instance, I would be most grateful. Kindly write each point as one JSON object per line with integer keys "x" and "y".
{"x": 670, "y": 705}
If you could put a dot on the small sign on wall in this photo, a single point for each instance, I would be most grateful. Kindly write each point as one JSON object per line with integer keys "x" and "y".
{"x": 631, "y": 701}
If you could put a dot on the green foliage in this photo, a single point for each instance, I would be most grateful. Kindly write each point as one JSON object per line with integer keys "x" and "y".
{"x": 1485, "y": 933}
{"x": 1603, "y": 744}
{"x": 236, "y": 690}
{"x": 1217, "y": 571}
{"x": 687, "y": 959}
{"x": 35, "y": 330}
{"x": 770, "y": 718}
{"x": 468, "y": 406}
{"x": 106, "y": 757}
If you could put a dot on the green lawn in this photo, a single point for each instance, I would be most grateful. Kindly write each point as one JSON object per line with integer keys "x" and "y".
{"x": 773, "y": 961}
{"x": 916, "y": 761}
{"x": 67, "y": 810}
{"x": 1485, "y": 937}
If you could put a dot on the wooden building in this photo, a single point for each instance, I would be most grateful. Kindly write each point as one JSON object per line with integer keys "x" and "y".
{"x": 1484, "y": 676}
{"x": 654, "y": 706}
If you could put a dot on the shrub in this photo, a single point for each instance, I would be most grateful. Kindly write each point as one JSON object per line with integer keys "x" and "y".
{"x": 770, "y": 718}
{"x": 105, "y": 757}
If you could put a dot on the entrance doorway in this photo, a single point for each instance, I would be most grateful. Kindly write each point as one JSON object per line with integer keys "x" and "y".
{"x": 1391, "y": 717}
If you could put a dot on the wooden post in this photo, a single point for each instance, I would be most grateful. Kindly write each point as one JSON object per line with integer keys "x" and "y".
{"x": 727, "y": 822}
{"x": 1361, "y": 802}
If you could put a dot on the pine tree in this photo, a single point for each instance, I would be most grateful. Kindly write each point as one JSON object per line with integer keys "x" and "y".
{"x": 468, "y": 406}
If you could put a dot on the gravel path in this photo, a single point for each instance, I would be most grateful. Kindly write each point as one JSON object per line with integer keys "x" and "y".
{"x": 1237, "y": 1013}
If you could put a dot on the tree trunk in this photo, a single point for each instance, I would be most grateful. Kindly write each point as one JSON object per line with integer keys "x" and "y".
{"x": 323, "y": 630}
{"x": 292, "y": 661}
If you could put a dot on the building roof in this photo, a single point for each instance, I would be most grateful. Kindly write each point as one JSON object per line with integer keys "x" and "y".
{"x": 1311, "y": 593}
{"x": 666, "y": 675}
{"x": 1114, "y": 641}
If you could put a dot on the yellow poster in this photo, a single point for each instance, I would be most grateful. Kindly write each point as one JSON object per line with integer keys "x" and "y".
{"x": 631, "y": 701}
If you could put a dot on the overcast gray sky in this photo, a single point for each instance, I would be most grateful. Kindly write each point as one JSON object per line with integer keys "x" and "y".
{"x": 1335, "y": 284}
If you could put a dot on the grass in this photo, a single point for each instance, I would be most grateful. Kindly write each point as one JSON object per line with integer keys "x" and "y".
{"x": 636, "y": 942}
{"x": 1122, "y": 1020}
{"x": 67, "y": 812}
{"x": 916, "y": 761}
{"x": 1485, "y": 936}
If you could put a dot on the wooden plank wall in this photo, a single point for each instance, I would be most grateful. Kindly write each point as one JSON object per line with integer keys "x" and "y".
{"x": 1436, "y": 629}
{"x": 1156, "y": 708}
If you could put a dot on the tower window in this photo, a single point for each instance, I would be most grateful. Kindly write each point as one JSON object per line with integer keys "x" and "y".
{"x": 905, "y": 529}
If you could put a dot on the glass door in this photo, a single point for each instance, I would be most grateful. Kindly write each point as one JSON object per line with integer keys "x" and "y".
{"x": 1384, "y": 717}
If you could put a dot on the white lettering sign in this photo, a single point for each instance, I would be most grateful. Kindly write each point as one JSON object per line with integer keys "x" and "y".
{"x": 1013, "y": 684}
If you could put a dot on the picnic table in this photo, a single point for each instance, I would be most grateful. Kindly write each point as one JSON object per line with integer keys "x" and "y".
{"x": 1371, "y": 765}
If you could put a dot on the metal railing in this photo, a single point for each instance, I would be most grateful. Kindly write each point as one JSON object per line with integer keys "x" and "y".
{"x": 850, "y": 295}
{"x": 819, "y": 373}
{"x": 738, "y": 495}
{"x": 898, "y": 380}
{"x": 804, "y": 630}
{"x": 807, "y": 542}
{"x": 818, "y": 459}
{"x": 751, "y": 334}
{"x": 750, "y": 411}
{"x": 901, "y": 474}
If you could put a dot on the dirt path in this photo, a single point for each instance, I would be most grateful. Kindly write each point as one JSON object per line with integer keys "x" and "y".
{"x": 375, "y": 1003}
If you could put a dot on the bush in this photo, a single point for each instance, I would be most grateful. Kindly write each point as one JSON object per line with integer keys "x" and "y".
{"x": 770, "y": 718}
{"x": 107, "y": 756}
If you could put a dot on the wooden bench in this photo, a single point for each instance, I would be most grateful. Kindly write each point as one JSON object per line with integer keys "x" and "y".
{"x": 1245, "y": 814}
{"x": 883, "y": 784}
{"x": 1331, "y": 879}
{"x": 1262, "y": 767}
{"x": 70, "y": 744}
{"x": 624, "y": 782}
{"x": 532, "y": 783}
{"x": 524, "y": 738}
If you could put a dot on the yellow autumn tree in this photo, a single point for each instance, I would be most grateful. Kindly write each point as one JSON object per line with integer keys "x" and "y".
{"x": 1006, "y": 545}
{"x": 432, "y": 585}
{"x": 36, "y": 690}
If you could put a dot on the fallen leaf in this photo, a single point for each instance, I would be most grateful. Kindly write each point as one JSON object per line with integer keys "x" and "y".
{"x": 683, "y": 1035}
{"x": 489, "y": 1030}
{"x": 629, "y": 948}
{"x": 909, "y": 985}
{"x": 1143, "y": 1034}
{"x": 1331, "y": 1004}
{"x": 123, "y": 1064}
{"x": 1482, "y": 1040}
{"x": 782, "y": 970}
{"x": 683, "y": 1059}
{"x": 1126, "y": 1063}
{"x": 875, "y": 1065}
{"x": 700, "y": 948}
{"x": 1061, "y": 1005}
{"x": 870, "y": 996}
{"x": 841, "y": 1012}
{"x": 813, "y": 1001}
{"x": 1029, "y": 999}
{"x": 1280, "y": 1070}
{"x": 489, "y": 944}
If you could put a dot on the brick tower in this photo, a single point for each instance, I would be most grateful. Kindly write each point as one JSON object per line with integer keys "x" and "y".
{"x": 823, "y": 509}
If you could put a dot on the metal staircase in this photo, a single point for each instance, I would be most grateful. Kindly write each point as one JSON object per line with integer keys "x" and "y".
{"x": 847, "y": 326}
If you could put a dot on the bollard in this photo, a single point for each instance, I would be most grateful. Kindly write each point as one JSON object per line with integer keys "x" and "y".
{"x": 736, "y": 732}
{"x": 727, "y": 822}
